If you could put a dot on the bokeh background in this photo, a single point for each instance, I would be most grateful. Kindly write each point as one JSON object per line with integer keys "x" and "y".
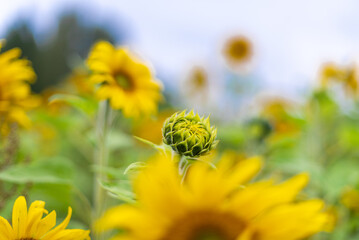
{"x": 291, "y": 39}
{"x": 285, "y": 102}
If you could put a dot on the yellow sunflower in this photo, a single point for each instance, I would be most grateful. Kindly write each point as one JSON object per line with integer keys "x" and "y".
{"x": 237, "y": 50}
{"x": 345, "y": 75}
{"x": 15, "y": 92}
{"x": 28, "y": 224}
{"x": 124, "y": 80}
{"x": 79, "y": 79}
{"x": 214, "y": 204}
{"x": 277, "y": 111}
{"x": 151, "y": 128}
{"x": 197, "y": 81}
{"x": 350, "y": 199}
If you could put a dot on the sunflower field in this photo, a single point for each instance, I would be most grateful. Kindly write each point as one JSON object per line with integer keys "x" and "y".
{"x": 97, "y": 143}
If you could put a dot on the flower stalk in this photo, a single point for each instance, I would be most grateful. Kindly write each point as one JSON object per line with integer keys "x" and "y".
{"x": 101, "y": 160}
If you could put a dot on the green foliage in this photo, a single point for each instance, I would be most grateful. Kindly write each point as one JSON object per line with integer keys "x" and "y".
{"x": 54, "y": 170}
{"x": 85, "y": 106}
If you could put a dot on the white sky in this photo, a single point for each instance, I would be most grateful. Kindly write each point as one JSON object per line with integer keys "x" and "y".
{"x": 291, "y": 38}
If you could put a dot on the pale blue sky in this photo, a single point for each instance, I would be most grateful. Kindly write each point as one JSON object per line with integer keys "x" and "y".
{"x": 291, "y": 38}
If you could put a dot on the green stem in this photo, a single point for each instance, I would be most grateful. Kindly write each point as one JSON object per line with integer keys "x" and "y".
{"x": 183, "y": 167}
{"x": 101, "y": 161}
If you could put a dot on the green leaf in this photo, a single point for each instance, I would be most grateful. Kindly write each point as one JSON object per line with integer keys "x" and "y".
{"x": 149, "y": 143}
{"x": 117, "y": 140}
{"x": 119, "y": 192}
{"x": 133, "y": 167}
{"x": 111, "y": 172}
{"x": 82, "y": 104}
{"x": 339, "y": 175}
{"x": 52, "y": 171}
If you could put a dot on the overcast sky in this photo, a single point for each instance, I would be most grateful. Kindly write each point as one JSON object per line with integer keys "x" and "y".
{"x": 291, "y": 38}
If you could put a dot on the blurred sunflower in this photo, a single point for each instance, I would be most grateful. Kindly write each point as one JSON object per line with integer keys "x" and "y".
{"x": 54, "y": 108}
{"x": 197, "y": 81}
{"x": 238, "y": 50}
{"x": 151, "y": 128}
{"x": 28, "y": 224}
{"x": 79, "y": 79}
{"x": 15, "y": 92}
{"x": 350, "y": 199}
{"x": 277, "y": 112}
{"x": 125, "y": 81}
{"x": 345, "y": 75}
{"x": 211, "y": 204}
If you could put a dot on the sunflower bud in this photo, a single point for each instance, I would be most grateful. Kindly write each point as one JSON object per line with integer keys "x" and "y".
{"x": 189, "y": 134}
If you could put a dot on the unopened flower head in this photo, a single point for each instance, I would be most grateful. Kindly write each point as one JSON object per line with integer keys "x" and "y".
{"x": 188, "y": 134}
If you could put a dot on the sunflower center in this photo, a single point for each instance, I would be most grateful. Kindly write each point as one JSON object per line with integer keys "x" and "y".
{"x": 239, "y": 49}
{"x": 205, "y": 225}
{"x": 199, "y": 78}
{"x": 27, "y": 239}
{"x": 125, "y": 81}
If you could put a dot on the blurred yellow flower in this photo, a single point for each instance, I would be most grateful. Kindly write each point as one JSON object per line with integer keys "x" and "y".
{"x": 55, "y": 107}
{"x": 238, "y": 50}
{"x": 79, "y": 78}
{"x": 346, "y": 75}
{"x": 124, "y": 80}
{"x": 212, "y": 204}
{"x": 332, "y": 218}
{"x": 28, "y": 224}
{"x": 276, "y": 110}
{"x": 350, "y": 199}
{"x": 15, "y": 92}
{"x": 151, "y": 128}
{"x": 197, "y": 81}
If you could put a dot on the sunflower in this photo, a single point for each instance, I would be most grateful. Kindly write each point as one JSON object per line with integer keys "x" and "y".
{"x": 197, "y": 81}
{"x": 151, "y": 128}
{"x": 15, "y": 92}
{"x": 345, "y": 75}
{"x": 28, "y": 224}
{"x": 124, "y": 80}
{"x": 79, "y": 79}
{"x": 214, "y": 204}
{"x": 350, "y": 199}
{"x": 237, "y": 50}
{"x": 278, "y": 112}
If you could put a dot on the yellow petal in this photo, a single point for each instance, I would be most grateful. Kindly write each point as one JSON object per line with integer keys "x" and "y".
{"x": 19, "y": 217}
{"x": 45, "y": 225}
{"x": 123, "y": 216}
{"x": 6, "y": 232}
{"x": 53, "y": 233}
{"x": 284, "y": 221}
{"x": 35, "y": 213}
{"x": 149, "y": 185}
{"x": 19, "y": 116}
{"x": 220, "y": 183}
{"x": 256, "y": 198}
{"x": 73, "y": 234}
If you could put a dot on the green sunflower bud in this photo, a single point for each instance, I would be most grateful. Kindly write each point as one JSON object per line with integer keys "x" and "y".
{"x": 189, "y": 134}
